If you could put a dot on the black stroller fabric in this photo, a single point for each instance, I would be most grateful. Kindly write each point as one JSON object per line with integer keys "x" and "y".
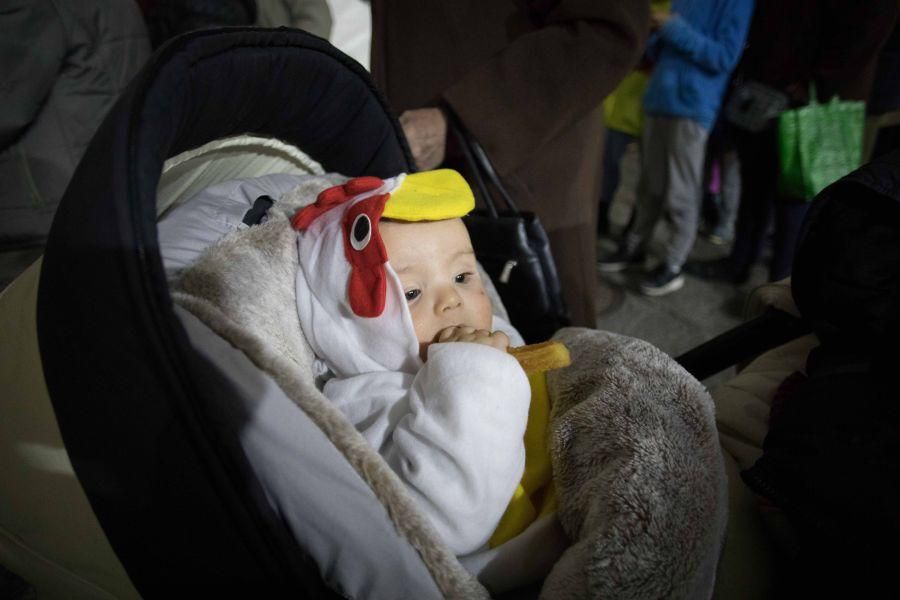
{"x": 176, "y": 502}
{"x": 832, "y": 455}
{"x": 513, "y": 248}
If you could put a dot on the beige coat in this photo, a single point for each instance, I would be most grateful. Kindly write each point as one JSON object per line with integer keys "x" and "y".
{"x": 527, "y": 79}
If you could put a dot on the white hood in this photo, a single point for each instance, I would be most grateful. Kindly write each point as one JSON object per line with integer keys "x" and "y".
{"x": 349, "y": 344}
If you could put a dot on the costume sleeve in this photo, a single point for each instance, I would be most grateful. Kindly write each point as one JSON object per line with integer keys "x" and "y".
{"x": 549, "y": 78}
{"x": 460, "y": 447}
{"x": 32, "y": 47}
{"x": 720, "y": 51}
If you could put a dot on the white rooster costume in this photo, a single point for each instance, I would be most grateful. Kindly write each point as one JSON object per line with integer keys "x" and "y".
{"x": 451, "y": 427}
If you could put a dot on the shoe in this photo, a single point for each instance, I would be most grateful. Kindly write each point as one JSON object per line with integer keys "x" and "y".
{"x": 716, "y": 239}
{"x": 662, "y": 280}
{"x": 722, "y": 269}
{"x": 718, "y": 235}
{"x": 619, "y": 260}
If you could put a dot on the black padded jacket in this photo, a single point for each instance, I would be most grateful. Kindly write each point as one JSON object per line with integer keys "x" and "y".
{"x": 62, "y": 65}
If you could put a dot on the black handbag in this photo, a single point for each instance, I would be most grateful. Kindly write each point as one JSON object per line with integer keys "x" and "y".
{"x": 752, "y": 105}
{"x": 513, "y": 249}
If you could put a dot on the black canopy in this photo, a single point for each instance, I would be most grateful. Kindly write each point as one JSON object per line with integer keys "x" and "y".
{"x": 181, "y": 510}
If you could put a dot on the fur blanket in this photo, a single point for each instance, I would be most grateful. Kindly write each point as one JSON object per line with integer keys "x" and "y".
{"x": 635, "y": 452}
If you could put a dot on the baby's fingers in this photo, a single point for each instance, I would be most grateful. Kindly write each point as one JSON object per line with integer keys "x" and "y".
{"x": 448, "y": 334}
{"x": 498, "y": 340}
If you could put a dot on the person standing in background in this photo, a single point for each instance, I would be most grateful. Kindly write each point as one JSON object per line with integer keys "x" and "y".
{"x": 527, "y": 80}
{"x": 833, "y": 44}
{"x": 695, "y": 48}
{"x": 882, "y": 133}
{"x": 722, "y": 193}
{"x": 624, "y": 119}
{"x": 63, "y": 65}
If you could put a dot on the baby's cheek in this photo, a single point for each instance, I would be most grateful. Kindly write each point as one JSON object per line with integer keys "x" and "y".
{"x": 422, "y": 326}
{"x": 485, "y": 312}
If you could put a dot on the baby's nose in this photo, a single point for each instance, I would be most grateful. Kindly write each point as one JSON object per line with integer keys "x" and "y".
{"x": 450, "y": 299}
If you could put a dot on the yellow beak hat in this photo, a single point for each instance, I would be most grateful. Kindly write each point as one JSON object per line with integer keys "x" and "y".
{"x": 430, "y": 196}
{"x": 362, "y": 202}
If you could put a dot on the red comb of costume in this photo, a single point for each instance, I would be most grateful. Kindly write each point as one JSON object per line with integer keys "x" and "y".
{"x": 363, "y": 247}
{"x": 331, "y": 197}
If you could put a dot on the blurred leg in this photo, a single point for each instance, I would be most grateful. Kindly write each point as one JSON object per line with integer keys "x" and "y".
{"x": 651, "y": 185}
{"x": 710, "y": 205}
{"x": 758, "y": 157}
{"x": 615, "y": 145}
{"x": 730, "y": 195}
{"x": 789, "y": 215}
{"x": 684, "y": 189}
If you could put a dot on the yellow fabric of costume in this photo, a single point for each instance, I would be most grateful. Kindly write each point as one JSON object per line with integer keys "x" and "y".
{"x": 430, "y": 196}
{"x": 535, "y": 495}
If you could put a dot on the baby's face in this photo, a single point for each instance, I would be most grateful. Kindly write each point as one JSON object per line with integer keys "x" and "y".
{"x": 437, "y": 268}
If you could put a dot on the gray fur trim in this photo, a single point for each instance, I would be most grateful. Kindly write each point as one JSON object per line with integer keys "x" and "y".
{"x": 639, "y": 473}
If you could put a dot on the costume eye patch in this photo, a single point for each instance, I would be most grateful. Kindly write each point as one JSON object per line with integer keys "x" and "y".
{"x": 360, "y": 232}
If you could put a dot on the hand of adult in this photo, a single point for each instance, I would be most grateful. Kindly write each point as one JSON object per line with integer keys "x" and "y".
{"x": 426, "y": 132}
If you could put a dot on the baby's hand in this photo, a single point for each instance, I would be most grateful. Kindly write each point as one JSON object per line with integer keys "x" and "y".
{"x": 462, "y": 333}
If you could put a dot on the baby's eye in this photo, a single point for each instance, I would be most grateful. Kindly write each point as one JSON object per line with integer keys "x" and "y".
{"x": 463, "y": 277}
{"x": 412, "y": 294}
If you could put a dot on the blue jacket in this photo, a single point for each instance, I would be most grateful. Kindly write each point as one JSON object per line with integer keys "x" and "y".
{"x": 694, "y": 54}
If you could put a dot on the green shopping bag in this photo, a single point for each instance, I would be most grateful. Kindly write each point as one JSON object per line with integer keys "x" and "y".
{"x": 818, "y": 144}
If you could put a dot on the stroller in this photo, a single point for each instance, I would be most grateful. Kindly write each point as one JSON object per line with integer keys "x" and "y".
{"x": 147, "y": 456}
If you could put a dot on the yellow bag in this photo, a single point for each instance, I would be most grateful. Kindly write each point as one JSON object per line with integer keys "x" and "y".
{"x": 622, "y": 108}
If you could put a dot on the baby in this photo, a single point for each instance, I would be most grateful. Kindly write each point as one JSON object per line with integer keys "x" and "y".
{"x": 390, "y": 298}
{"x": 437, "y": 269}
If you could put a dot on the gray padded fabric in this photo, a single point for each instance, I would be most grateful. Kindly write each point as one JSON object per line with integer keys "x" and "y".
{"x": 309, "y": 483}
{"x": 187, "y": 230}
